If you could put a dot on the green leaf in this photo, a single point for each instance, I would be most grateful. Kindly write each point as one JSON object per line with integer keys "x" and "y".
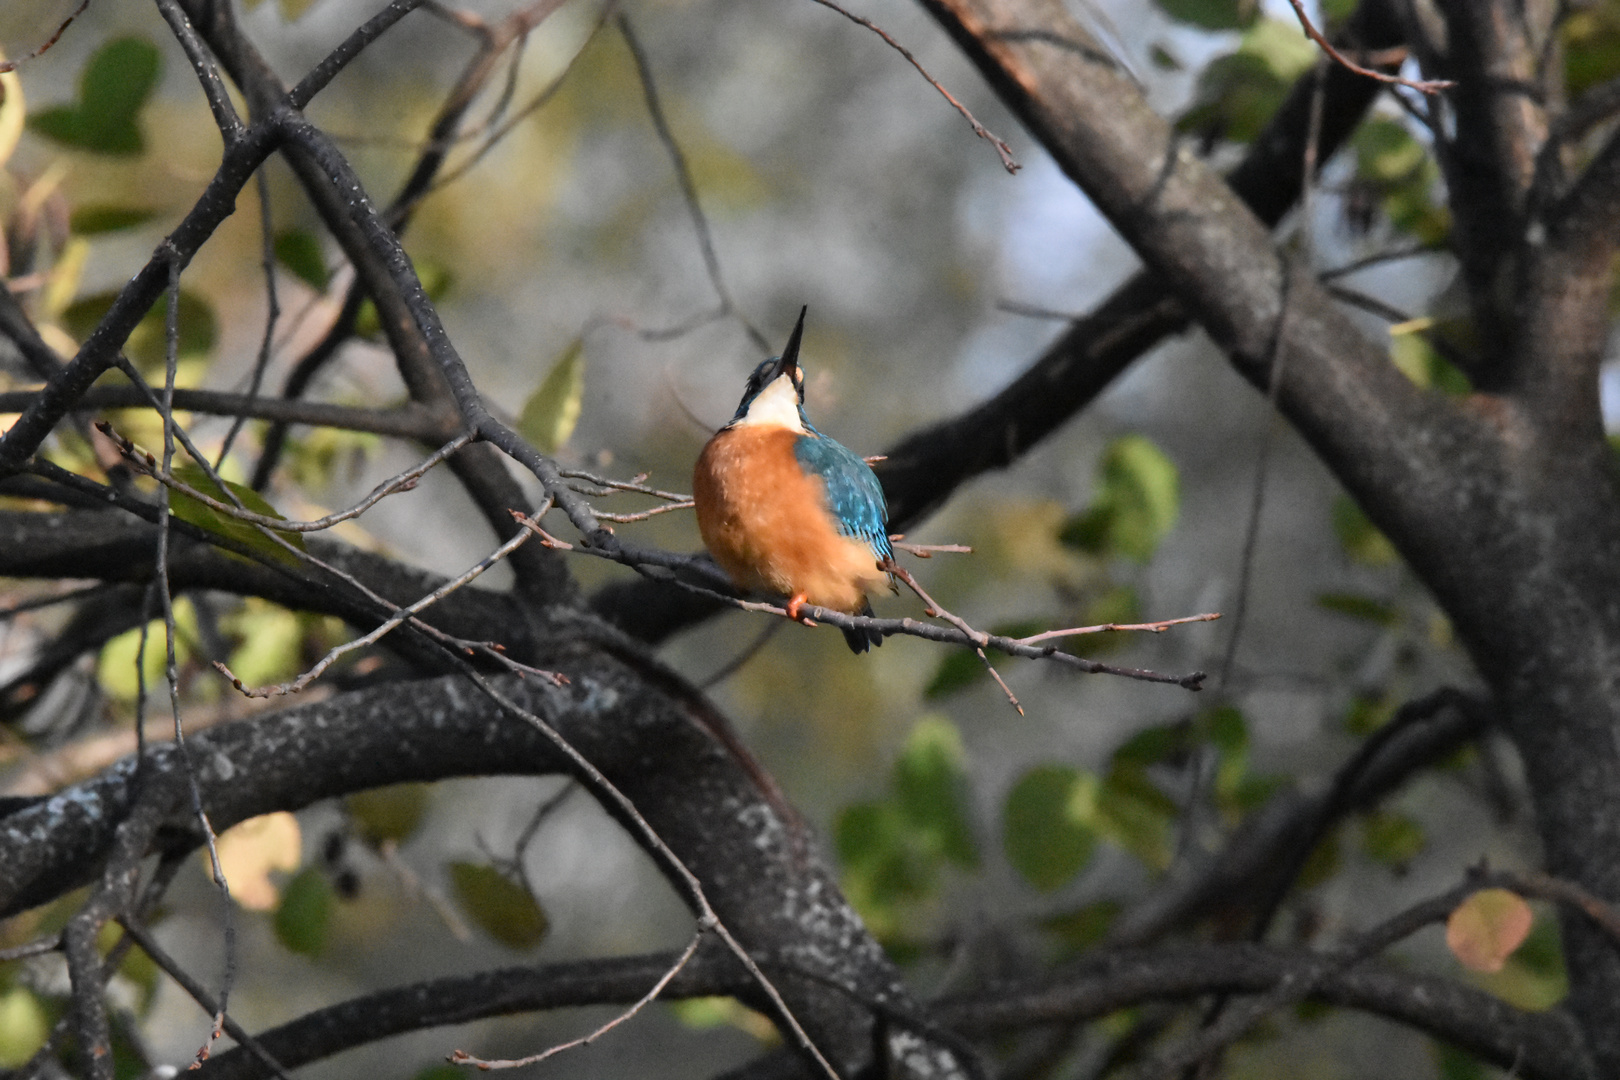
{"x": 1359, "y": 537}
{"x": 958, "y": 669}
{"x": 1083, "y": 927}
{"x": 1046, "y": 826}
{"x": 1212, "y": 14}
{"x": 1421, "y": 362}
{"x": 1591, "y": 40}
{"x": 1360, "y": 607}
{"x": 306, "y": 908}
{"x": 1136, "y": 815}
{"x": 1455, "y": 1064}
{"x": 552, "y": 411}
{"x": 929, "y": 781}
{"x": 1392, "y": 839}
{"x": 502, "y": 908}
{"x": 148, "y": 343}
{"x": 114, "y": 85}
{"x": 101, "y": 218}
{"x": 300, "y": 252}
{"x": 270, "y": 642}
{"x": 1239, "y": 92}
{"x": 1367, "y": 714}
{"x": 24, "y": 1026}
{"x": 1137, "y": 503}
{"x": 388, "y": 813}
{"x": 205, "y": 517}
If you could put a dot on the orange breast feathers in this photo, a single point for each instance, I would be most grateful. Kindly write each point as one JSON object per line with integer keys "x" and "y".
{"x": 768, "y": 525}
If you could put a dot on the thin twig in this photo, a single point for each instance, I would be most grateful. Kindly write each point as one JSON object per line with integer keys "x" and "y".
{"x": 272, "y": 302}
{"x": 11, "y": 65}
{"x": 1425, "y": 86}
{"x": 1149, "y": 627}
{"x": 935, "y": 608}
{"x": 683, "y": 175}
{"x": 404, "y": 481}
{"x": 1002, "y": 149}
{"x": 461, "y": 1057}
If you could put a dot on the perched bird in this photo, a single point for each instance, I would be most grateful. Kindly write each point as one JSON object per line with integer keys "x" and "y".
{"x": 786, "y": 510}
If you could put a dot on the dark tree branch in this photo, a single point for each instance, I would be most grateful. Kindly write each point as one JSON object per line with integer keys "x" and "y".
{"x": 408, "y": 421}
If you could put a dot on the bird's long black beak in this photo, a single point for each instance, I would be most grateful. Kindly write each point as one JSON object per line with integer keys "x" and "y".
{"x": 788, "y": 362}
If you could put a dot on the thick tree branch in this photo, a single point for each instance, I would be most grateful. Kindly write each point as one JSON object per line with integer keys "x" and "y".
{"x": 759, "y": 868}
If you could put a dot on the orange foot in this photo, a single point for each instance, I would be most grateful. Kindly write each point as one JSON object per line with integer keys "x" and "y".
{"x": 793, "y": 606}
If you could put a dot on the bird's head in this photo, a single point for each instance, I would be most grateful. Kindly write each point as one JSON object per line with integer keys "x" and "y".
{"x": 775, "y": 392}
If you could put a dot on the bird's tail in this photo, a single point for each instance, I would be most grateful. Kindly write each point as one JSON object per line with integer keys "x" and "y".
{"x": 862, "y": 640}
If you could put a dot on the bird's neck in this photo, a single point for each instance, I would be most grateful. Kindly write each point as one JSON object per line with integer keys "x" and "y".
{"x": 775, "y": 406}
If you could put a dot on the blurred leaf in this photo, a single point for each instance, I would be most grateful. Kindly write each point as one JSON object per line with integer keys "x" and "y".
{"x": 306, "y": 907}
{"x": 205, "y": 517}
{"x": 1163, "y": 58}
{"x": 270, "y": 642}
{"x": 115, "y": 83}
{"x": 300, "y": 252}
{"x": 1136, "y": 815}
{"x": 1360, "y": 607}
{"x": 1239, "y": 92}
{"x": 115, "y": 668}
{"x": 1400, "y": 170}
{"x": 292, "y": 10}
{"x": 1359, "y": 537}
{"x": 436, "y": 281}
{"x": 147, "y": 343}
{"x": 1117, "y": 604}
{"x": 1336, "y": 10}
{"x": 1046, "y": 828}
{"x": 1455, "y": 1064}
{"x": 13, "y": 113}
{"x": 442, "y": 1072}
{"x": 24, "y": 1027}
{"x": 249, "y": 851}
{"x": 388, "y": 813}
{"x": 1367, "y": 714}
{"x": 958, "y": 669}
{"x": 929, "y": 782}
{"x": 1212, "y": 14}
{"x": 1392, "y": 839}
{"x": 100, "y": 218}
{"x": 1533, "y": 977}
{"x": 141, "y": 972}
{"x": 1083, "y": 927}
{"x": 1136, "y": 505}
{"x": 66, "y": 274}
{"x": 1486, "y": 928}
{"x": 1321, "y": 864}
{"x": 502, "y": 908}
{"x": 879, "y": 869}
{"x": 704, "y": 1013}
{"x": 552, "y": 411}
{"x": 1591, "y": 40}
{"x": 1419, "y": 361}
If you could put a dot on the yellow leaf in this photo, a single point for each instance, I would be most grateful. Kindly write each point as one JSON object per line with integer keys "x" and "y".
{"x": 249, "y": 851}
{"x": 1485, "y": 929}
{"x": 552, "y": 411}
{"x": 12, "y": 111}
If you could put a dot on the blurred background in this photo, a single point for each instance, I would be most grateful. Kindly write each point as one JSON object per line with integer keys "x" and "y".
{"x": 830, "y": 174}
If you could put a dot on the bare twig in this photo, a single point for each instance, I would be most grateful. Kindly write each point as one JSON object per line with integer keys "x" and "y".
{"x": 1002, "y": 149}
{"x": 11, "y": 65}
{"x": 978, "y": 637}
{"x": 461, "y": 1057}
{"x": 1149, "y": 627}
{"x": 1426, "y": 86}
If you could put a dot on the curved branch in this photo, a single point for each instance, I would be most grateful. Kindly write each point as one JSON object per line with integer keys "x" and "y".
{"x": 759, "y": 868}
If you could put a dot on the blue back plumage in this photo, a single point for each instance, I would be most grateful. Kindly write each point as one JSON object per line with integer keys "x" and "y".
{"x": 853, "y": 492}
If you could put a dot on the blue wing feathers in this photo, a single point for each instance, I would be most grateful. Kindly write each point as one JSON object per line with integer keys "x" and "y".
{"x": 853, "y": 493}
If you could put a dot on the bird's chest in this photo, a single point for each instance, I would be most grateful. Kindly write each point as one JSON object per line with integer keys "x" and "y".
{"x": 766, "y": 520}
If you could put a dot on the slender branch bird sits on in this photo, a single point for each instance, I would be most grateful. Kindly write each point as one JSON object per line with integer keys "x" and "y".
{"x": 786, "y": 510}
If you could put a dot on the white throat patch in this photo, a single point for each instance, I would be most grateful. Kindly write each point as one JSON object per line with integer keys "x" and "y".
{"x": 775, "y": 406}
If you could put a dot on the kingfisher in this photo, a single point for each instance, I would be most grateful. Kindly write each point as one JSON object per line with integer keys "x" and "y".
{"x": 789, "y": 511}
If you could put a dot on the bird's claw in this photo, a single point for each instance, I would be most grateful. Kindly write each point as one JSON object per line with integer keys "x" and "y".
{"x": 795, "y": 605}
